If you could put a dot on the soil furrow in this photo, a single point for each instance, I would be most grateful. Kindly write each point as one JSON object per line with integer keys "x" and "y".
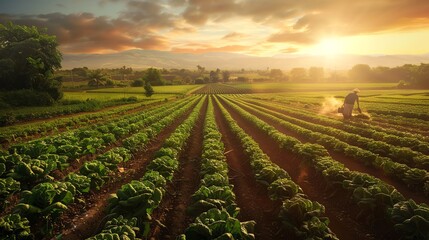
{"x": 352, "y": 164}
{"x": 84, "y": 220}
{"x": 252, "y": 197}
{"x": 342, "y": 223}
{"x": 172, "y": 211}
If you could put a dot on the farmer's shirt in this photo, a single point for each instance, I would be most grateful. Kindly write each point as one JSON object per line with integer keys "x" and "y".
{"x": 351, "y": 98}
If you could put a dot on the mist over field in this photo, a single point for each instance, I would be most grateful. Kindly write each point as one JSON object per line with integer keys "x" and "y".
{"x": 140, "y": 59}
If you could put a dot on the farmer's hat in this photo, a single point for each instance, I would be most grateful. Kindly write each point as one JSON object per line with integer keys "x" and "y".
{"x": 356, "y": 90}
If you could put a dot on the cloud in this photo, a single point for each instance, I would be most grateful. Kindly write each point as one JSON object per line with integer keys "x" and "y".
{"x": 198, "y": 12}
{"x": 289, "y": 50}
{"x": 234, "y": 36}
{"x": 202, "y": 48}
{"x": 178, "y": 24}
{"x": 149, "y": 14}
{"x": 307, "y": 21}
{"x": 86, "y": 33}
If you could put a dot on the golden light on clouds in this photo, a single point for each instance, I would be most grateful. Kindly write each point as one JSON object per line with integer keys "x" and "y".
{"x": 251, "y": 27}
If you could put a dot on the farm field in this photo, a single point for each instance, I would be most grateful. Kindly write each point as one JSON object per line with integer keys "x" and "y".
{"x": 93, "y": 100}
{"x": 229, "y": 161}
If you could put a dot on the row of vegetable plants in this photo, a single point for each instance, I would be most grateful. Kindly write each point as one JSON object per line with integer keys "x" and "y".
{"x": 403, "y": 113}
{"x": 410, "y": 142}
{"x": 304, "y": 108}
{"x": 402, "y": 121}
{"x": 12, "y": 116}
{"x": 136, "y": 201}
{"x": 213, "y": 204}
{"x": 378, "y": 202}
{"x": 414, "y": 178}
{"x": 219, "y": 88}
{"x": 46, "y": 201}
{"x": 18, "y": 132}
{"x": 395, "y": 108}
{"x": 397, "y": 154}
{"x": 299, "y": 215}
{"x": 20, "y": 171}
{"x": 93, "y": 173}
{"x": 35, "y": 162}
{"x": 356, "y": 122}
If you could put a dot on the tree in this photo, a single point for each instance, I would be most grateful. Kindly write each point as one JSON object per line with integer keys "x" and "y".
{"x": 316, "y": 74}
{"x": 201, "y": 70}
{"x": 153, "y": 76}
{"x": 148, "y": 89}
{"x": 28, "y": 58}
{"x": 225, "y": 76}
{"x": 97, "y": 78}
{"x": 276, "y": 74}
{"x": 214, "y": 76}
{"x": 298, "y": 74}
{"x": 361, "y": 73}
{"x": 422, "y": 76}
{"x": 137, "y": 83}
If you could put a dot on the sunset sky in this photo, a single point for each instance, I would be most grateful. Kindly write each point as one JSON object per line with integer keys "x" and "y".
{"x": 253, "y": 27}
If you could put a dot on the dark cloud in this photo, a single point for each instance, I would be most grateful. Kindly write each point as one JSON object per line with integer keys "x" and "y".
{"x": 83, "y": 33}
{"x": 203, "y": 48}
{"x": 200, "y": 11}
{"x": 149, "y": 14}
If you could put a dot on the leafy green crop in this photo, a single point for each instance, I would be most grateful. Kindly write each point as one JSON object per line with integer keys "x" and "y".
{"x": 15, "y": 227}
{"x": 165, "y": 165}
{"x": 46, "y": 199}
{"x": 33, "y": 171}
{"x": 7, "y": 187}
{"x": 96, "y": 171}
{"x": 118, "y": 228}
{"x": 303, "y": 217}
{"x": 82, "y": 183}
{"x": 411, "y": 219}
{"x": 135, "y": 199}
{"x": 218, "y": 224}
{"x": 283, "y": 188}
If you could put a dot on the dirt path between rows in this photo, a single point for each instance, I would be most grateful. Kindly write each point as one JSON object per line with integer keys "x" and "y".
{"x": 352, "y": 164}
{"x": 251, "y": 197}
{"x": 172, "y": 211}
{"x": 337, "y": 210}
{"x": 84, "y": 220}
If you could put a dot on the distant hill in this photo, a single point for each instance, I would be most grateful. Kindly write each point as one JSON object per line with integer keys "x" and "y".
{"x": 163, "y": 59}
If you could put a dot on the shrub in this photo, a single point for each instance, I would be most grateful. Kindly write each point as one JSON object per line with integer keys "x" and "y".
{"x": 137, "y": 83}
{"x": 27, "y": 97}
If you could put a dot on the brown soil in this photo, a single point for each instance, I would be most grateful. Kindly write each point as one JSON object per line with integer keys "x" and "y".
{"x": 172, "y": 211}
{"x": 84, "y": 219}
{"x": 342, "y": 223}
{"x": 252, "y": 197}
{"x": 61, "y": 174}
{"x": 352, "y": 164}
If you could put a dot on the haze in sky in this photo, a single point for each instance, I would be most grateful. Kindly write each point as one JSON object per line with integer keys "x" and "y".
{"x": 253, "y": 27}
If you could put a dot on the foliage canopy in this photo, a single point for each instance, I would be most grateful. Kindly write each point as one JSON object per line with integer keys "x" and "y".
{"x": 28, "y": 58}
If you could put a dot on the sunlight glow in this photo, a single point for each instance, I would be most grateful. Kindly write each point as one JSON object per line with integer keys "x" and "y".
{"x": 328, "y": 47}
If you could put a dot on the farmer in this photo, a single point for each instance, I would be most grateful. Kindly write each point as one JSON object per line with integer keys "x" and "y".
{"x": 349, "y": 103}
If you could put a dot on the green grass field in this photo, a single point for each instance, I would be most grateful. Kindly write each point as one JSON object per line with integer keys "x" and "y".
{"x": 76, "y": 101}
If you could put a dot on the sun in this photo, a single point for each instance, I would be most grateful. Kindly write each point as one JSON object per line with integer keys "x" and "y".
{"x": 329, "y": 47}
